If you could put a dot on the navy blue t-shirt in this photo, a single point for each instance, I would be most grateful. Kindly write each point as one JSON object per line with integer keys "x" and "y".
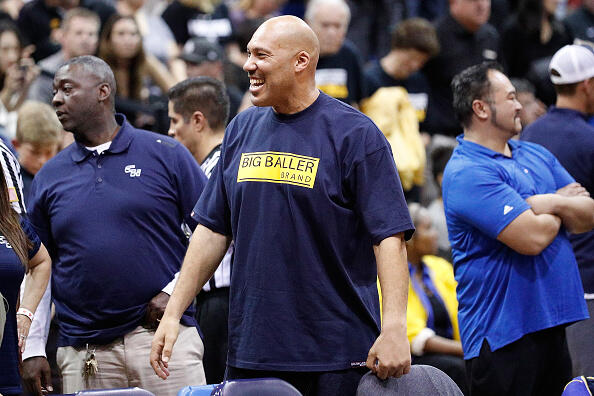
{"x": 12, "y": 272}
{"x": 304, "y": 196}
{"x": 112, "y": 223}
{"x": 567, "y": 134}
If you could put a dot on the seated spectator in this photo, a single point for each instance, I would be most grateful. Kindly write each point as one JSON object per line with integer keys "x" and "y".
{"x": 17, "y": 72}
{"x": 40, "y": 20}
{"x": 339, "y": 72}
{"x": 440, "y": 156}
{"x": 580, "y": 23}
{"x": 432, "y": 306}
{"x": 121, "y": 47}
{"x": 532, "y": 107}
{"x": 247, "y": 10}
{"x": 414, "y": 41}
{"x": 157, "y": 38}
{"x": 38, "y": 138}
{"x": 78, "y": 35}
{"x": 466, "y": 39}
{"x": 204, "y": 58}
{"x": 531, "y": 34}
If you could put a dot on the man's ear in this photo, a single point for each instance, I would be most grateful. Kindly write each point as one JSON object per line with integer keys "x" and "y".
{"x": 302, "y": 61}
{"x": 198, "y": 121}
{"x": 479, "y": 107}
{"x": 104, "y": 92}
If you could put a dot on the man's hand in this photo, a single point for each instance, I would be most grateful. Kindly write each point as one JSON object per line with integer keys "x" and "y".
{"x": 390, "y": 354}
{"x": 573, "y": 190}
{"x": 162, "y": 345}
{"x": 155, "y": 310}
{"x": 37, "y": 376}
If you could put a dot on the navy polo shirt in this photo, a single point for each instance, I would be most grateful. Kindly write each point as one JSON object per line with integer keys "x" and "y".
{"x": 567, "y": 134}
{"x": 504, "y": 295}
{"x": 305, "y": 197}
{"x": 113, "y": 225}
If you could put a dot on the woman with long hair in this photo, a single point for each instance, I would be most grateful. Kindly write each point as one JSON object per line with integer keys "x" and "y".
{"x": 21, "y": 252}
{"x": 121, "y": 47}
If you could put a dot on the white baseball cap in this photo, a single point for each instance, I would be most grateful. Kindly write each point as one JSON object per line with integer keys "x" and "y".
{"x": 572, "y": 64}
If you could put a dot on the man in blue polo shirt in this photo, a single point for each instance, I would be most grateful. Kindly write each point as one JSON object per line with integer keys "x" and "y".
{"x": 509, "y": 207}
{"x": 111, "y": 208}
{"x": 308, "y": 189}
{"x": 566, "y": 133}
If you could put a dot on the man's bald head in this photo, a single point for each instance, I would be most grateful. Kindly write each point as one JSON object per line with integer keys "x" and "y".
{"x": 292, "y": 33}
{"x": 98, "y": 68}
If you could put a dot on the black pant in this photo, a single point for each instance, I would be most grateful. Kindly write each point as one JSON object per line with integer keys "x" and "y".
{"x": 212, "y": 314}
{"x": 327, "y": 383}
{"x": 536, "y": 364}
{"x": 453, "y": 366}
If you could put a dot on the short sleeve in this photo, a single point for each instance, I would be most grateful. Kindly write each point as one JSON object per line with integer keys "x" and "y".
{"x": 480, "y": 197}
{"x": 32, "y": 235}
{"x": 212, "y": 209}
{"x": 378, "y": 196}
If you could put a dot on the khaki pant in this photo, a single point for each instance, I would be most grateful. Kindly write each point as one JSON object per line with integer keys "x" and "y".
{"x": 124, "y": 363}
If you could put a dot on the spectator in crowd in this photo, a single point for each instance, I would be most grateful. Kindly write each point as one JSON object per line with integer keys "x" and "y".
{"x": 9, "y": 10}
{"x": 78, "y": 35}
{"x": 40, "y": 20}
{"x": 440, "y": 156}
{"x": 157, "y": 38}
{"x": 508, "y": 204}
{"x": 204, "y": 58}
{"x": 431, "y": 315}
{"x": 90, "y": 204}
{"x": 121, "y": 47}
{"x": 198, "y": 109}
{"x": 369, "y": 32}
{"x": 21, "y": 253}
{"x": 466, "y": 39}
{"x": 38, "y": 138}
{"x": 564, "y": 131}
{"x": 532, "y": 107}
{"x": 340, "y": 72}
{"x": 17, "y": 72}
{"x": 580, "y": 23}
{"x": 533, "y": 33}
{"x": 200, "y": 18}
{"x": 247, "y": 10}
{"x": 414, "y": 42}
{"x": 304, "y": 303}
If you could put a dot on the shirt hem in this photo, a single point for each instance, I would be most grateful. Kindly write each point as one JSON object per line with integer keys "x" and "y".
{"x": 305, "y": 367}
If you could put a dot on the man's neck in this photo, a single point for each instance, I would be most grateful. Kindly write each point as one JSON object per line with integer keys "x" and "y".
{"x": 102, "y": 132}
{"x": 571, "y": 102}
{"x": 297, "y": 103}
{"x": 489, "y": 138}
{"x": 470, "y": 28}
{"x": 212, "y": 140}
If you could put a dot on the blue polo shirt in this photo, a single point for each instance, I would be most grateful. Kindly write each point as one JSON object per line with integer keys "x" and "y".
{"x": 112, "y": 223}
{"x": 305, "y": 196}
{"x": 567, "y": 134}
{"x": 504, "y": 295}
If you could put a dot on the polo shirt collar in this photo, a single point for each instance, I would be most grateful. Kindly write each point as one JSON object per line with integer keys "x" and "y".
{"x": 119, "y": 144}
{"x": 475, "y": 148}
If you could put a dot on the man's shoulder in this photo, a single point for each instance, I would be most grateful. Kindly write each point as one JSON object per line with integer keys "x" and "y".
{"x": 51, "y": 63}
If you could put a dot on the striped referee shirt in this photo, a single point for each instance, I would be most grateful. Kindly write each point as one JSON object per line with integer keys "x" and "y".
{"x": 12, "y": 174}
{"x": 222, "y": 276}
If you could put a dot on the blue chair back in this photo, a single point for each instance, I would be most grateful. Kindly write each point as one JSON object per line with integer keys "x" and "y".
{"x": 256, "y": 387}
{"x": 115, "y": 392}
{"x": 202, "y": 390}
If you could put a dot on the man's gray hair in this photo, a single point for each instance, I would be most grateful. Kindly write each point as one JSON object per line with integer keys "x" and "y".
{"x": 97, "y": 67}
{"x": 313, "y": 5}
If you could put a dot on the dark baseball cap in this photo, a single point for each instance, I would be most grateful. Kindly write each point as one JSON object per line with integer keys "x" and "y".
{"x": 198, "y": 50}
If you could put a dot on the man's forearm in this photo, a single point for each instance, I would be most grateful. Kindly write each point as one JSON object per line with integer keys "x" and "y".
{"x": 392, "y": 269}
{"x": 204, "y": 254}
{"x": 576, "y": 212}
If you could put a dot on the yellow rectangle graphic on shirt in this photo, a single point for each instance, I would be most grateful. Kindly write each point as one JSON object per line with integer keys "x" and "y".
{"x": 274, "y": 167}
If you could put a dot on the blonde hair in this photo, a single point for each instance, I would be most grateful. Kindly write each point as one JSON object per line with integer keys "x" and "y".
{"x": 37, "y": 123}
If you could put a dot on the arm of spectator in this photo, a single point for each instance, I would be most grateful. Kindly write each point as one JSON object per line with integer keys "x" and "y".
{"x": 205, "y": 252}
{"x": 576, "y": 211}
{"x": 437, "y": 344}
{"x": 530, "y": 233}
{"x": 159, "y": 73}
{"x": 156, "y": 307}
{"x": 390, "y": 354}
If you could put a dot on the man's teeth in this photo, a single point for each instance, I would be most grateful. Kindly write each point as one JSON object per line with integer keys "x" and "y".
{"x": 256, "y": 81}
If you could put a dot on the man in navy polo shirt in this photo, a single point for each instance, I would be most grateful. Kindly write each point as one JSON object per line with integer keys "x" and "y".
{"x": 566, "y": 133}
{"x": 307, "y": 188}
{"x": 110, "y": 208}
{"x": 509, "y": 207}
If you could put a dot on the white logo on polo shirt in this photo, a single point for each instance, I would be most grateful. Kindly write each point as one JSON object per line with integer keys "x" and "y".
{"x": 131, "y": 169}
{"x": 507, "y": 209}
{"x": 3, "y": 241}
